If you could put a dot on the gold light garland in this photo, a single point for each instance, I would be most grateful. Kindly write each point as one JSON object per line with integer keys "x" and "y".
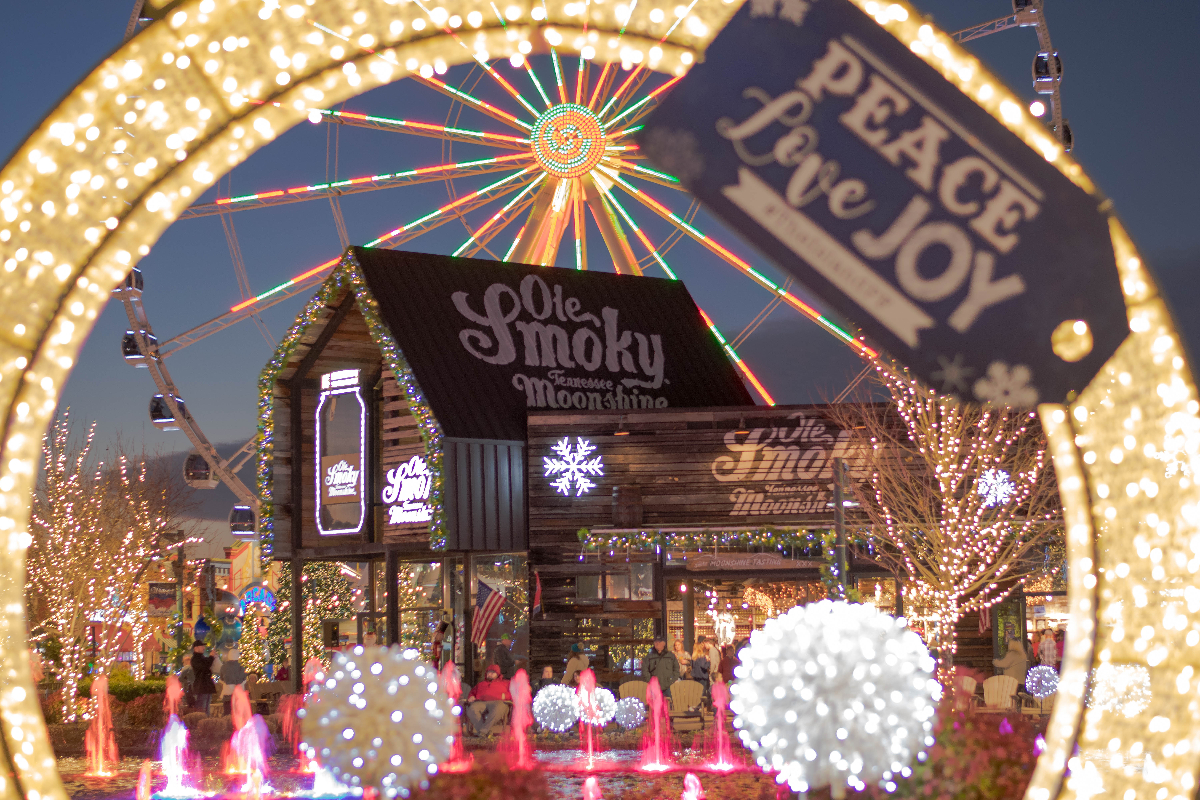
{"x": 215, "y": 79}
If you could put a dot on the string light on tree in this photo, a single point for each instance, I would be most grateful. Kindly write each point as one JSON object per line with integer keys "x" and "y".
{"x": 1120, "y": 688}
{"x": 379, "y": 719}
{"x": 556, "y": 707}
{"x": 835, "y": 694}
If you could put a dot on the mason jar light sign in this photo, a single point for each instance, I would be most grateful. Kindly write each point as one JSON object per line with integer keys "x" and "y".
{"x": 341, "y": 426}
{"x": 406, "y": 493}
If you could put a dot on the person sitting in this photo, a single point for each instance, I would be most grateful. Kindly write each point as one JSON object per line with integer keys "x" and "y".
{"x": 486, "y": 702}
{"x": 283, "y": 673}
{"x": 578, "y": 662}
{"x": 1013, "y": 664}
{"x": 659, "y": 663}
{"x": 546, "y": 679}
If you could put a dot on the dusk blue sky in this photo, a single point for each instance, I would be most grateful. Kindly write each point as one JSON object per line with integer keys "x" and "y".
{"x": 1132, "y": 72}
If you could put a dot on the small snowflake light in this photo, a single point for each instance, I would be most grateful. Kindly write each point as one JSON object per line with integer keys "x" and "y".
{"x": 995, "y": 487}
{"x": 573, "y": 467}
{"x": 835, "y": 694}
{"x": 378, "y": 718}
{"x": 599, "y": 709}
{"x": 1041, "y": 681}
{"x": 556, "y": 707}
{"x": 1120, "y": 688}
{"x": 630, "y": 713}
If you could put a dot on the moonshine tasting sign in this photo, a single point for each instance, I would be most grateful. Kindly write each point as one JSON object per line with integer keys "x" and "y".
{"x": 857, "y": 168}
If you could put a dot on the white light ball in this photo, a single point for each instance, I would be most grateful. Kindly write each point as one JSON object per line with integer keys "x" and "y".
{"x": 630, "y": 712}
{"x": 379, "y": 718}
{"x": 835, "y": 693}
{"x": 1120, "y": 688}
{"x": 556, "y": 707}
{"x": 599, "y": 710}
{"x": 1041, "y": 681}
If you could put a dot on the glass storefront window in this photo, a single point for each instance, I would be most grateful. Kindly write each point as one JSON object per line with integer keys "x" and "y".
{"x": 507, "y": 573}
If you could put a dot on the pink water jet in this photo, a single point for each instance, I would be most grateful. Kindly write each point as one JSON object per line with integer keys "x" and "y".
{"x": 692, "y": 790}
{"x": 288, "y": 707}
{"x": 591, "y": 789}
{"x": 722, "y": 753}
{"x": 174, "y": 693}
{"x": 656, "y": 742}
{"x": 249, "y": 747}
{"x": 518, "y": 753}
{"x": 142, "y": 792}
{"x": 174, "y": 760}
{"x": 460, "y": 760}
{"x": 311, "y": 668}
{"x": 587, "y": 711}
{"x": 99, "y": 741}
{"x": 239, "y": 715}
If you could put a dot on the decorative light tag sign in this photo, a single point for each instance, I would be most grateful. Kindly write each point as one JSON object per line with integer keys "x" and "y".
{"x": 407, "y": 493}
{"x": 341, "y": 450}
{"x": 898, "y": 199}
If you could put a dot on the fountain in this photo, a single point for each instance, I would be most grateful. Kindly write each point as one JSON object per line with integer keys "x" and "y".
{"x": 100, "y": 742}
{"x": 174, "y": 755}
{"x": 142, "y": 792}
{"x": 460, "y": 760}
{"x": 722, "y": 753}
{"x": 289, "y": 704}
{"x": 516, "y": 745}
{"x": 656, "y": 743}
{"x": 692, "y": 790}
{"x": 591, "y": 789}
{"x": 174, "y": 693}
{"x": 587, "y": 711}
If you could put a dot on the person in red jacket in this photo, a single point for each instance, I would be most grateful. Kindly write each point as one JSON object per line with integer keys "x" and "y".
{"x": 486, "y": 702}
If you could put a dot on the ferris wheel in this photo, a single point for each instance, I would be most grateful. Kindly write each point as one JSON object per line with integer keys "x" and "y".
{"x": 560, "y": 182}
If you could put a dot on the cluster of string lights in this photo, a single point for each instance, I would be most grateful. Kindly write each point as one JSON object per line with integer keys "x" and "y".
{"x": 556, "y": 707}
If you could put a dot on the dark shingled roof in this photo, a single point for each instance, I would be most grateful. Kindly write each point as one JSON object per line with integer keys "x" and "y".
{"x": 634, "y": 336}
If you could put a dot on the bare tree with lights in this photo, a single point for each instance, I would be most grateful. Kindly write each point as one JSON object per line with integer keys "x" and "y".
{"x": 96, "y": 527}
{"x": 958, "y": 496}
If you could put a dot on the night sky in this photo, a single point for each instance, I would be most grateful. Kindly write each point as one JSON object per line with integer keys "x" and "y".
{"x": 1131, "y": 75}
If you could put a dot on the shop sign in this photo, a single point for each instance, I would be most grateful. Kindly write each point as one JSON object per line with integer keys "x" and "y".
{"x": 161, "y": 599}
{"x": 893, "y": 196}
{"x": 705, "y": 562}
{"x": 341, "y": 420}
{"x": 406, "y": 493}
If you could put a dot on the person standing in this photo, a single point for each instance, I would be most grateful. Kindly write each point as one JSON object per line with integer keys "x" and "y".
{"x": 700, "y": 665}
{"x": 577, "y": 663}
{"x": 202, "y": 682}
{"x": 728, "y": 662}
{"x": 684, "y": 658}
{"x": 485, "y": 703}
{"x": 714, "y": 654}
{"x": 1060, "y": 641}
{"x": 1048, "y": 650}
{"x": 661, "y": 664}
{"x": 502, "y": 657}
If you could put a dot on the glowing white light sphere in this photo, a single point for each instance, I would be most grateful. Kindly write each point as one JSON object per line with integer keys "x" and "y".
{"x": 1121, "y": 688}
{"x": 599, "y": 710}
{"x": 835, "y": 693}
{"x": 630, "y": 712}
{"x": 556, "y": 707}
{"x": 1041, "y": 681}
{"x": 378, "y": 718}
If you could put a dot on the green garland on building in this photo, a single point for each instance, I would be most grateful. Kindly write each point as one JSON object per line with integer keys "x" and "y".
{"x": 347, "y": 276}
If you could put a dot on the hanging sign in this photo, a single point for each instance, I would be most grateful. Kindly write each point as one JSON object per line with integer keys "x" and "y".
{"x": 856, "y": 167}
{"x": 341, "y": 421}
{"x": 161, "y": 599}
{"x": 406, "y": 493}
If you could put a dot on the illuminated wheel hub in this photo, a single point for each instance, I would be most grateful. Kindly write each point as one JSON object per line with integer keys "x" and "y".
{"x": 568, "y": 140}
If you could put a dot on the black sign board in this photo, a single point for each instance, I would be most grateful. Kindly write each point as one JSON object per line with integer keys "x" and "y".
{"x": 856, "y": 167}
{"x": 489, "y": 341}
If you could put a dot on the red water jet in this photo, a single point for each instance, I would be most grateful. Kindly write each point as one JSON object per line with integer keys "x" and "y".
{"x": 721, "y": 757}
{"x": 515, "y": 746}
{"x": 143, "y": 785}
{"x": 587, "y": 711}
{"x": 656, "y": 742}
{"x": 692, "y": 790}
{"x": 591, "y": 789}
{"x": 174, "y": 693}
{"x": 460, "y": 760}
{"x": 289, "y": 704}
{"x": 99, "y": 741}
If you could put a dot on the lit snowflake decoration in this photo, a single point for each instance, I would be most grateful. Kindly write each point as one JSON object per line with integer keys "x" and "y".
{"x": 1041, "y": 681}
{"x": 573, "y": 467}
{"x": 1005, "y": 386}
{"x": 835, "y": 693}
{"x": 995, "y": 487}
{"x": 378, "y": 718}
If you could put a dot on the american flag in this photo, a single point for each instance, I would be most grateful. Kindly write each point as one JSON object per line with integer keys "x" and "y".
{"x": 537, "y": 596}
{"x": 488, "y": 602}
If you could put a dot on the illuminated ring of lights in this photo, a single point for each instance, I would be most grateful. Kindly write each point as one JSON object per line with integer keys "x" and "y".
{"x": 568, "y": 140}
{"x": 74, "y": 248}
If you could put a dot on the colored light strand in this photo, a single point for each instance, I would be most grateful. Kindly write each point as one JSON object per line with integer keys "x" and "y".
{"x": 475, "y": 236}
{"x": 423, "y": 126}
